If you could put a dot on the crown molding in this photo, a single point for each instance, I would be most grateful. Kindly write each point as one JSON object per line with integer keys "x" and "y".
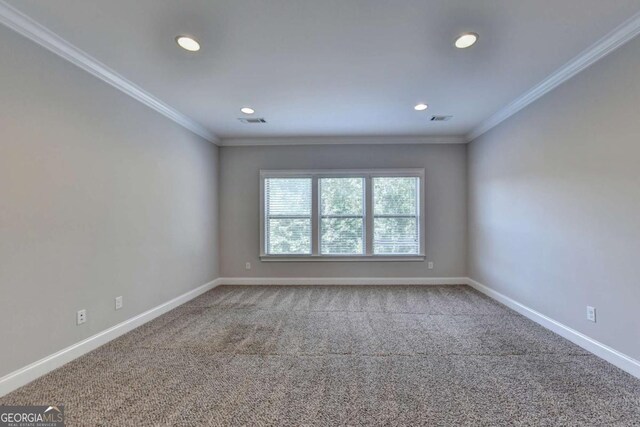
{"x": 24, "y": 25}
{"x": 340, "y": 140}
{"x": 612, "y": 41}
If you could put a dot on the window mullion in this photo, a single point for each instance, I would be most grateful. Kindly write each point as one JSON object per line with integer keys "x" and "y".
{"x": 315, "y": 214}
{"x": 420, "y": 215}
{"x": 368, "y": 215}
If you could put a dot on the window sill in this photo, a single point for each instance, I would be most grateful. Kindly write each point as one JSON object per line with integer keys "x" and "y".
{"x": 346, "y": 258}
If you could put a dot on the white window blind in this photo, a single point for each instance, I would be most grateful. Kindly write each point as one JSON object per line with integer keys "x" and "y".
{"x": 341, "y": 216}
{"x": 396, "y": 215}
{"x": 288, "y": 204}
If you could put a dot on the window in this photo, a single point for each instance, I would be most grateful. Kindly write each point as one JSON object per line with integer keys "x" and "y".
{"x": 288, "y": 216}
{"x": 396, "y": 215}
{"x": 341, "y": 216}
{"x": 347, "y": 215}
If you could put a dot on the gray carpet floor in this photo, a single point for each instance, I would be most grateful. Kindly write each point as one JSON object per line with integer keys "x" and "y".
{"x": 339, "y": 355}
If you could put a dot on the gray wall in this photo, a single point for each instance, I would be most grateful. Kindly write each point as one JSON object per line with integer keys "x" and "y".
{"x": 445, "y": 167}
{"x": 554, "y": 203}
{"x": 99, "y": 197}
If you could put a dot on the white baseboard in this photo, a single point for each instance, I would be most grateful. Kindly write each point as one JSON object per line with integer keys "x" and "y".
{"x": 30, "y": 372}
{"x": 25, "y": 375}
{"x": 36, "y": 369}
{"x": 603, "y": 351}
{"x": 343, "y": 280}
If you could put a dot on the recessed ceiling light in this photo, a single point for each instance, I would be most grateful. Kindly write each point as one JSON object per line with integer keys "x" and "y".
{"x": 188, "y": 43}
{"x": 421, "y": 107}
{"x": 247, "y": 110}
{"x": 466, "y": 40}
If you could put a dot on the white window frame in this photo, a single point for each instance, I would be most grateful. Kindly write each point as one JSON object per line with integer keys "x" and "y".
{"x": 367, "y": 174}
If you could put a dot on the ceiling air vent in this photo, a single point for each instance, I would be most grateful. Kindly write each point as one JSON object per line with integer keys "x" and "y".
{"x": 252, "y": 120}
{"x": 440, "y": 118}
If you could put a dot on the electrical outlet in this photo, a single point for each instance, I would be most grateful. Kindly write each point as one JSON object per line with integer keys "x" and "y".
{"x": 430, "y": 265}
{"x": 591, "y": 314}
{"x": 118, "y": 303}
{"x": 81, "y": 316}
{"x": 247, "y": 266}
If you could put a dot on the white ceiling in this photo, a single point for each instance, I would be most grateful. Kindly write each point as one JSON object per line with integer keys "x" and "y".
{"x": 333, "y": 67}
